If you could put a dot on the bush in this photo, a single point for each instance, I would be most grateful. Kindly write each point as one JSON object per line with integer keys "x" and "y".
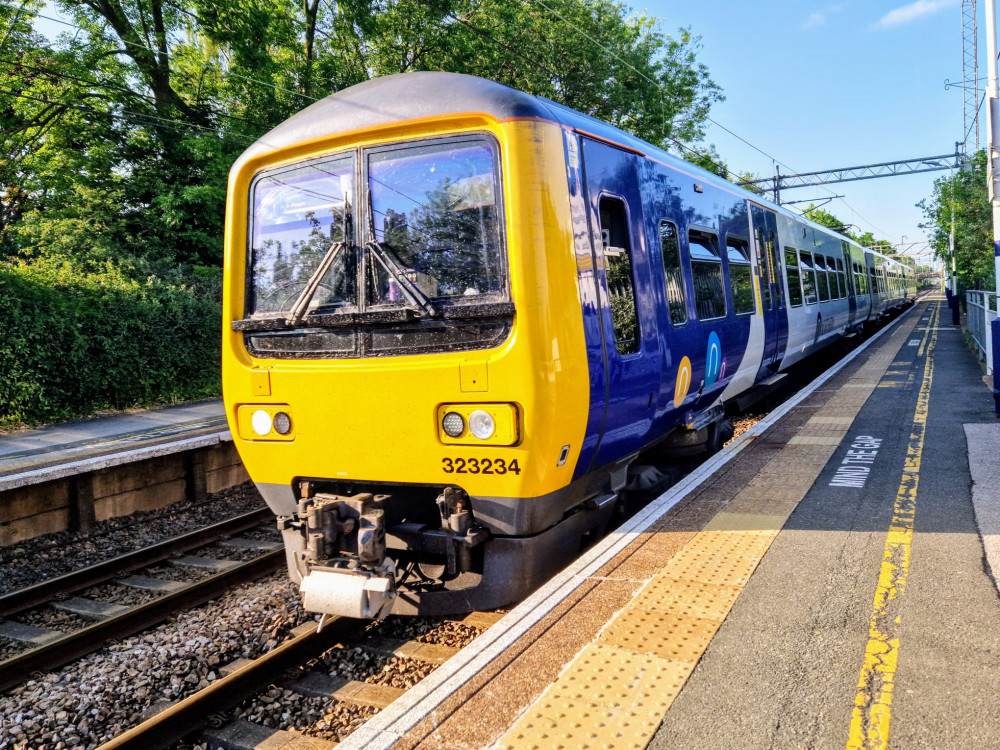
{"x": 73, "y": 341}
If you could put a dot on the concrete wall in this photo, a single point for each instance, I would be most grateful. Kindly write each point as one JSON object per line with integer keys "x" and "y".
{"x": 77, "y": 502}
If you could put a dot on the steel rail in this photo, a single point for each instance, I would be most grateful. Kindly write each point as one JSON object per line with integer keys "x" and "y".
{"x": 191, "y": 714}
{"x": 32, "y": 596}
{"x": 82, "y": 642}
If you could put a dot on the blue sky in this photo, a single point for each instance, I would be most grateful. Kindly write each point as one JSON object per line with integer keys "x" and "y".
{"x": 825, "y": 85}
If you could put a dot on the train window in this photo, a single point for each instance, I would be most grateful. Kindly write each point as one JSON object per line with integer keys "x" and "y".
{"x": 621, "y": 278}
{"x": 706, "y": 275}
{"x": 673, "y": 273}
{"x": 740, "y": 275}
{"x": 841, "y": 281}
{"x": 436, "y": 211}
{"x": 794, "y": 277}
{"x": 808, "y": 277}
{"x": 822, "y": 282}
{"x": 860, "y": 279}
{"x": 298, "y": 214}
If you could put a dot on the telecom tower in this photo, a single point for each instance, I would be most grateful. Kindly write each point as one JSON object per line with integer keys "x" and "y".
{"x": 970, "y": 72}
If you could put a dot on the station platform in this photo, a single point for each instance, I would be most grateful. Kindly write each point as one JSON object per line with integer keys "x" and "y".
{"x": 30, "y": 452}
{"x": 826, "y": 581}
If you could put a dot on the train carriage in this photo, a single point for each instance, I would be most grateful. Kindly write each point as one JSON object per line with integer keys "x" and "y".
{"x": 457, "y": 315}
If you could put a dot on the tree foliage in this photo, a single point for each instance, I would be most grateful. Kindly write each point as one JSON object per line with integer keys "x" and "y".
{"x": 961, "y": 199}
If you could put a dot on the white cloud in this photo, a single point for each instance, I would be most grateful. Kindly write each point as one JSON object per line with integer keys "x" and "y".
{"x": 819, "y": 18}
{"x": 912, "y": 12}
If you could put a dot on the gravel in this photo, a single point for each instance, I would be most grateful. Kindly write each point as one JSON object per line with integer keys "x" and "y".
{"x": 10, "y": 648}
{"x": 127, "y": 596}
{"x": 51, "y": 618}
{"x": 84, "y": 704}
{"x": 180, "y": 573}
{"x": 218, "y": 552}
{"x": 48, "y": 556}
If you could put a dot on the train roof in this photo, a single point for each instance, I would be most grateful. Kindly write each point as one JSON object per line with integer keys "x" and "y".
{"x": 418, "y": 94}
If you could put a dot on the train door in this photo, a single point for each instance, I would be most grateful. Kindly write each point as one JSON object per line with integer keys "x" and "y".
{"x": 852, "y": 292}
{"x": 631, "y": 343}
{"x": 772, "y": 302}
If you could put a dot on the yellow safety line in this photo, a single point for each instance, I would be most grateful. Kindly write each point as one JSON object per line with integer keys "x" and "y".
{"x": 876, "y": 683}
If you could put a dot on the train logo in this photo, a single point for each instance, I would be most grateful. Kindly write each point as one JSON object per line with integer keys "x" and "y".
{"x": 683, "y": 382}
{"x": 713, "y": 361}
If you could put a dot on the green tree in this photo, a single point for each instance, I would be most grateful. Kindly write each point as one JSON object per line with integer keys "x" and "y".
{"x": 964, "y": 196}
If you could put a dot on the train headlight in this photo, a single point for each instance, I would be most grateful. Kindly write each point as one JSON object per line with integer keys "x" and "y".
{"x": 265, "y": 422}
{"x": 478, "y": 424}
{"x": 261, "y": 422}
{"x": 453, "y": 424}
{"x": 481, "y": 424}
{"x": 282, "y": 423}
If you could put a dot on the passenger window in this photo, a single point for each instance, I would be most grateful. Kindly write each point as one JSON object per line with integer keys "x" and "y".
{"x": 822, "y": 279}
{"x": 706, "y": 275}
{"x": 808, "y": 277}
{"x": 673, "y": 273}
{"x": 621, "y": 279}
{"x": 740, "y": 275}
{"x": 794, "y": 277}
{"x": 841, "y": 281}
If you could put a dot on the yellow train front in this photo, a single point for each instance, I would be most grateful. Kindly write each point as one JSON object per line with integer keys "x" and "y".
{"x": 403, "y": 345}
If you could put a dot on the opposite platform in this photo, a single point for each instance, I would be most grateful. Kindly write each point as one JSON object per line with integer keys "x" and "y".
{"x": 820, "y": 583}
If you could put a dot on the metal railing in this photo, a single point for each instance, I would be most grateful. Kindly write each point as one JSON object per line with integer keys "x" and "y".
{"x": 982, "y": 310}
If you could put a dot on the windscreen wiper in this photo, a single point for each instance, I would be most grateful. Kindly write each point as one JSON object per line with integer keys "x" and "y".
{"x": 301, "y": 307}
{"x": 417, "y": 298}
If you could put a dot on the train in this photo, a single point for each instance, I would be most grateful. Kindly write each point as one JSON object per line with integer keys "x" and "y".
{"x": 459, "y": 320}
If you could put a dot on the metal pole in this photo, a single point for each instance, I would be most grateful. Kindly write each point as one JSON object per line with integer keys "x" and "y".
{"x": 993, "y": 173}
{"x": 993, "y": 134}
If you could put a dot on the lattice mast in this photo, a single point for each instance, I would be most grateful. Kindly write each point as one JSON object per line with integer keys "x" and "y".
{"x": 970, "y": 73}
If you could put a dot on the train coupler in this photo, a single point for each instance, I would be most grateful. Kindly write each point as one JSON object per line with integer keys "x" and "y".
{"x": 346, "y": 592}
{"x": 343, "y": 568}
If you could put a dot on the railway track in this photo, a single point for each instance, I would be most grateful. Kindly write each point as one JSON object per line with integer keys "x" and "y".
{"x": 299, "y": 666}
{"x": 66, "y": 597}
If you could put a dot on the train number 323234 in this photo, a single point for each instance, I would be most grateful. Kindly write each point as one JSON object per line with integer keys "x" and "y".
{"x": 479, "y": 466}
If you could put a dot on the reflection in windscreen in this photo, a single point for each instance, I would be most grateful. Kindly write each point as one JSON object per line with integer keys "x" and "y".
{"x": 297, "y": 215}
{"x": 435, "y": 209}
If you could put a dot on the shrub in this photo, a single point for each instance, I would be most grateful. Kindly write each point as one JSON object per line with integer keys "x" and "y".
{"x": 73, "y": 341}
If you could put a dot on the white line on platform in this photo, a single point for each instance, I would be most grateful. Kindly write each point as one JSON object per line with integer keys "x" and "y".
{"x": 390, "y": 724}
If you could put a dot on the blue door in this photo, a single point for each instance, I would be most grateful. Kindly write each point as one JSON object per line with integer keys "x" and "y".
{"x": 629, "y": 337}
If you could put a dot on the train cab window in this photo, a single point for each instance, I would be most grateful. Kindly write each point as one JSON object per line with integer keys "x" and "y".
{"x": 822, "y": 278}
{"x": 673, "y": 273}
{"x": 740, "y": 275}
{"x": 808, "y": 277}
{"x": 621, "y": 279}
{"x": 706, "y": 275}
{"x": 794, "y": 276}
{"x": 837, "y": 263}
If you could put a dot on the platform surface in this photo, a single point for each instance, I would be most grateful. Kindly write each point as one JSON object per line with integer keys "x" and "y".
{"x": 824, "y": 582}
{"x": 31, "y": 450}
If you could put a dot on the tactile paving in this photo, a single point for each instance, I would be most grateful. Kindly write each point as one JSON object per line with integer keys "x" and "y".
{"x": 712, "y": 568}
{"x": 738, "y": 543}
{"x": 666, "y": 634}
{"x": 617, "y": 678}
{"x": 691, "y": 598}
{"x": 756, "y": 523}
{"x": 579, "y": 726}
